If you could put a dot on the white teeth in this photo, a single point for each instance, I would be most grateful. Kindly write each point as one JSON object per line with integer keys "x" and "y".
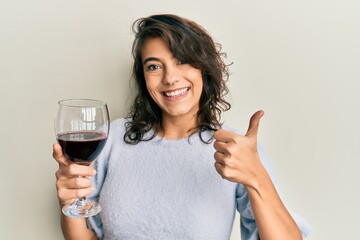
{"x": 176, "y": 93}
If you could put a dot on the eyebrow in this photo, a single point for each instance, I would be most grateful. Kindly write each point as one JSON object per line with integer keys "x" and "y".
{"x": 150, "y": 59}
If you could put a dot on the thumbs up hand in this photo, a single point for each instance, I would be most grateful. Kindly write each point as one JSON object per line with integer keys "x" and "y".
{"x": 236, "y": 156}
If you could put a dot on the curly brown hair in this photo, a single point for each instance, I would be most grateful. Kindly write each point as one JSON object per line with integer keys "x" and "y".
{"x": 189, "y": 42}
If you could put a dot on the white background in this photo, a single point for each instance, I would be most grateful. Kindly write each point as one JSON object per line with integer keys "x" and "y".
{"x": 296, "y": 60}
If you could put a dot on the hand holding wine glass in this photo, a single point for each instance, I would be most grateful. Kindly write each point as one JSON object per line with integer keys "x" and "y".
{"x": 69, "y": 185}
{"x": 81, "y": 128}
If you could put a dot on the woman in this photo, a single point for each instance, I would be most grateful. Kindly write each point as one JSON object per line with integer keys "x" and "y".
{"x": 171, "y": 170}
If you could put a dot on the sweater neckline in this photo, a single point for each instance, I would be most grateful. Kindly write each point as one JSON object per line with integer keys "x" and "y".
{"x": 190, "y": 140}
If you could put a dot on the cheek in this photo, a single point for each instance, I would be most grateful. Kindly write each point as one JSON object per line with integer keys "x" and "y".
{"x": 149, "y": 84}
{"x": 152, "y": 89}
{"x": 197, "y": 82}
{"x": 152, "y": 81}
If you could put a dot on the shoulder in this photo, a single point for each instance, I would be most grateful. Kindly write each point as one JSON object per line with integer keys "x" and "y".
{"x": 119, "y": 123}
{"x": 116, "y": 132}
{"x": 118, "y": 126}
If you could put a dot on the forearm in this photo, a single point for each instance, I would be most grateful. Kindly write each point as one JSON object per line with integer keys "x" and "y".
{"x": 75, "y": 228}
{"x": 272, "y": 218}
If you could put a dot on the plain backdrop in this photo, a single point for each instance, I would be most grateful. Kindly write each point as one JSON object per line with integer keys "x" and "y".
{"x": 296, "y": 60}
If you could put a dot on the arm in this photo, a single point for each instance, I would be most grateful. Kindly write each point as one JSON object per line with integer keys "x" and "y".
{"x": 237, "y": 160}
{"x": 69, "y": 188}
{"x": 272, "y": 218}
{"x": 75, "y": 228}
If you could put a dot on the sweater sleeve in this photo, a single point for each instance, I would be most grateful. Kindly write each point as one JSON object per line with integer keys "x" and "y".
{"x": 248, "y": 225}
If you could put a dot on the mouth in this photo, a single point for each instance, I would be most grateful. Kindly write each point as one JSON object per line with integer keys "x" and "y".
{"x": 176, "y": 93}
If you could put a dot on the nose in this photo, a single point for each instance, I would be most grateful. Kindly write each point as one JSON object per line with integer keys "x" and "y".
{"x": 171, "y": 76}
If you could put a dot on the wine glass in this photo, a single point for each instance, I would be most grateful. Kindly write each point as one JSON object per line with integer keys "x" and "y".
{"x": 81, "y": 128}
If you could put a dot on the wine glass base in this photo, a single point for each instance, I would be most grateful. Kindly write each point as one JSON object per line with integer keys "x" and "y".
{"x": 83, "y": 210}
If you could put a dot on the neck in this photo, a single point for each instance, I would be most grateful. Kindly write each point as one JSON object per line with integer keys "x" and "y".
{"x": 178, "y": 127}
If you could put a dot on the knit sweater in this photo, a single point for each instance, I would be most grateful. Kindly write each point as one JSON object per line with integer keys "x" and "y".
{"x": 168, "y": 189}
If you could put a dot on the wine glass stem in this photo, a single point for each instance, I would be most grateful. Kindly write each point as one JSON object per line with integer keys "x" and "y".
{"x": 81, "y": 202}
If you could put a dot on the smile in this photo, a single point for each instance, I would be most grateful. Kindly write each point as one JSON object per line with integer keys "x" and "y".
{"x": 176, "y": 93}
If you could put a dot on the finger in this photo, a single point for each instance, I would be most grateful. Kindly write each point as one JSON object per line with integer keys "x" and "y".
{"x": 65, "y": 194}
{"x": 219, "y": 158}
{"x": 220, "y": 146}
{"x": 76, "y": 170}
{"x": 254, "y": 124}
{"x": 73, "y": 183}
{"x": 219, "y": 168}
{"x": 224, "y": 135}
{"x": 59, "y": 156}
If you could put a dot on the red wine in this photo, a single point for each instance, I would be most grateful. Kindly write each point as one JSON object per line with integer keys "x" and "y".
{"x": 82, "y": 147}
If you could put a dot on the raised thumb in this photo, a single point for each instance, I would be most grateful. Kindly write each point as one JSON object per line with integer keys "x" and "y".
{"x": 254, "y": 124}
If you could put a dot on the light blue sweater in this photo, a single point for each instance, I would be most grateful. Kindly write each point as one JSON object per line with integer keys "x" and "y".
{"x": 168, "y": 189}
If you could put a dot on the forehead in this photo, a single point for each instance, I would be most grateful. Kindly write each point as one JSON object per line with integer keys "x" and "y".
{"x": 155, "y": 47}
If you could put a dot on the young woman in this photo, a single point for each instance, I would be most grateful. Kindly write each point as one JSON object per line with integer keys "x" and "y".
{"x": 172, "y": 170}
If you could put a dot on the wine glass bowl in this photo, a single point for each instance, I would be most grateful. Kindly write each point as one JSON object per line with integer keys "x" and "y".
{"x": 81, "y": 128}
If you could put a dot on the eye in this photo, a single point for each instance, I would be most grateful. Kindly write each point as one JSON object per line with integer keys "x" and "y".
{"x": 152, "y": 67}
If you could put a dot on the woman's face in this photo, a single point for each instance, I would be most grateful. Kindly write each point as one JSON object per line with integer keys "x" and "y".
{"x": 174, "y": 85}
